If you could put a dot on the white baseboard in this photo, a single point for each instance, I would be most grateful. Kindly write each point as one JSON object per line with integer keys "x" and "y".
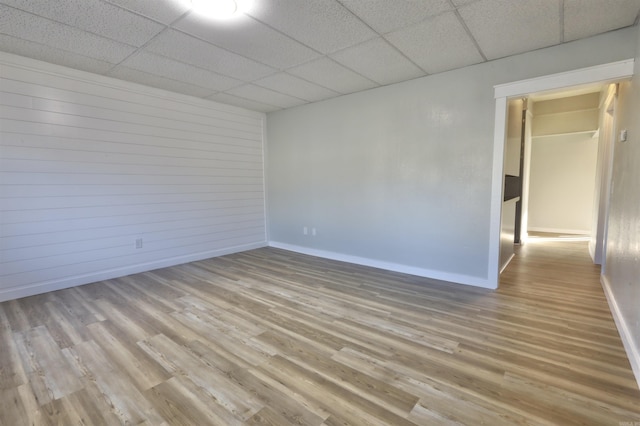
{"x": 633, "y": 352}
{"x": 47, "y": 286}
{"x": 389, "y": 266}
{"x": 560, "y": 230}
{"x": 504, "y": 266}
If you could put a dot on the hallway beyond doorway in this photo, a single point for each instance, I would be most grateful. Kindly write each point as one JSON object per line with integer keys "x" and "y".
{"x": 538, "y": 237}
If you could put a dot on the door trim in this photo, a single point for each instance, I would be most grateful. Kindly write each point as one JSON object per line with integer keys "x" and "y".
{"x": 606, "y": 73}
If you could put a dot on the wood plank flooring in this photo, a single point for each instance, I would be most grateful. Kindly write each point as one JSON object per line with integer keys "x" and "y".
{"x": 270, "y": 337}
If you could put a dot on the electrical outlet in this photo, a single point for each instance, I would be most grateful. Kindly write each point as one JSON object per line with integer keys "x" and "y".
{"x": 623, "y": 135}
{"x": 139, "y": 243}
{"x": 305, "y": 230}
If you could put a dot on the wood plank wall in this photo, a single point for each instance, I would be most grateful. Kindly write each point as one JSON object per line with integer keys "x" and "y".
{"x": 89, "y": 165}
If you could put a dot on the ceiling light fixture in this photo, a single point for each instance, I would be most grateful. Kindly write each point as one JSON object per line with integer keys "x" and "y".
{"x": 220, "y": 9}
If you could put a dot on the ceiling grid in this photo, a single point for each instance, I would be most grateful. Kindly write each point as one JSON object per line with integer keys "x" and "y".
{"x": 285, "y": 53}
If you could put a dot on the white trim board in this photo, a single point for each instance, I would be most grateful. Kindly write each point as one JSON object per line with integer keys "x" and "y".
{"x": 389, "y": 266}
{"x": 625, "y": 333}
{"x": 503, "y": 267}
{"x": 44, "y": 287}
{"x": 585, "y": 232}
{"x": 605, "y": 73}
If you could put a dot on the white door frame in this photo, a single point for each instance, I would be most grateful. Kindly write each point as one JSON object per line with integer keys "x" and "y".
{"x": 606, "y": 73}
{"x": 607, "y": 139}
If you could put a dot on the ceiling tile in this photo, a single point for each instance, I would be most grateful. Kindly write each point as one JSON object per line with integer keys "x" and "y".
{"x": 507, "y": 27}
{"x": 379, "y": 61}
{"x": 267, "y": 96}
{"x": 437, "y": 44}
{"x": 33, "y": 28}
{"x": 330, "y": 74}
{"x": 388, "y": 15}
{"x": 225, "y": 98}
{"x": 324, "y": 25}
{"x": 584, "y": 18}
{"x": 288, "y": 52}
{"x": 184, "y": 48}
{"x": 128, "y": 74}
{"x": 52, "y": 55}
{"x": 458, "y": 3}
{"x": 163, "y": 11}
{"x": 248, "y": 37}
{"x": 165, "y": 67}
{"x": 94, "y": 16}
{"x": 294, "y": 86}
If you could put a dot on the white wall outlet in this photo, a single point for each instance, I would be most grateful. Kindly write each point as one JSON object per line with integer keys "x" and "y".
{"x": 623, "y": 135}
{"x": 138, "y": 243}
{"x": 305, "y": 230}
{"x": 313, "y": 231}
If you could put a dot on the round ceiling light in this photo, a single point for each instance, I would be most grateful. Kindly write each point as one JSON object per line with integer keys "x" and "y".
{"x": 220, "y": 9}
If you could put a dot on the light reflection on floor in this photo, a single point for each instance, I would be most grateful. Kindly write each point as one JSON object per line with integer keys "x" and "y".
{"x": 546, "y": 237}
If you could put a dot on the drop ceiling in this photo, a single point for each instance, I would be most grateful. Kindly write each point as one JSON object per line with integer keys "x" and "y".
{"x": 291, "y": 52}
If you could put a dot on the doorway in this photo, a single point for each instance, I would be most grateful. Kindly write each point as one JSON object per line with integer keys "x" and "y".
{"x": 558, "y": 154}
{"x": 602, "y": 74}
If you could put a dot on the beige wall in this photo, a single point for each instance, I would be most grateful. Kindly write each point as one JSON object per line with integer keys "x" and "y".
{"x": 566, "y": 115}
{"x": 563, "y": 164}
{"x": 514, "y": 134}
{"x": 562, "y": 183}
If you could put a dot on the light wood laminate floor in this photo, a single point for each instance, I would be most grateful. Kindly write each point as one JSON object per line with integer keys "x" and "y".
{"x": 269, "y": 337}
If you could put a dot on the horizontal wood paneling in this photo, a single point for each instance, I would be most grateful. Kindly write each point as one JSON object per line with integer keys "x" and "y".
{"x": 45, "y": 190}
{"x": 116, "y": 95}
{"x": 116, "y": 179}
{"x": 141, "y": 224}
{"x": 130, "y": 214}
{"x": 46, "y": 166}
{"x": 120, "y": 145}
{"x": 115, "y": 247}
{"x": 87, "y": 156}
{"x": 90, "y": 164}
{"x": 33, "y": 203}
{"x": 93, "y": 239}
{"x": 155, "y": 127}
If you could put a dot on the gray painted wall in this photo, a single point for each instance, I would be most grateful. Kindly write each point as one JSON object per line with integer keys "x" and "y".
{"x": 402, "y": 174}
{"x": 622, "y": 267}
